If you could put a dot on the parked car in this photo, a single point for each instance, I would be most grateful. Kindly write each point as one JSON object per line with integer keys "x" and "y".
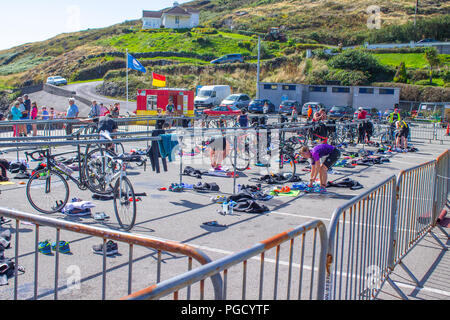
{"x": 288, "y": 105}
{"x": 369, "y": 113}
{"x": 57, "y": 81}
{"x": 223, "y": 110}
{"x": 338, "y": 112}
{"x": 427, "y": 40}
{"x": 229, "y": 58}
{"x": 238, "y": 100}
{"x": 211, "y": 96}
{"x": 315, "y": 106}
{"x": 256, "y": 106}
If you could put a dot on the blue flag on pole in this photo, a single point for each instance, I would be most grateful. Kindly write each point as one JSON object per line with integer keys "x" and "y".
{"x": 135, "y": 65}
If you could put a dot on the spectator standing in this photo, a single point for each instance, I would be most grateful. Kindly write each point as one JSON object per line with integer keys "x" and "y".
{"x": 52, "y": 113}
{"x": 16, "y": 115}
{"x": 103, "y": 110}
{"x": 22, "y": 127}
{"x": 266, "y": 108}
{"x": 95, "y": 112}
{"x": 27, "y": 105}
{"x": 294, "y": 114}
{"x": 115, "y": 112}
{"x": 34, "y": 115}
{"x": 45, "y": 115}
{"x": 72, "y": 113}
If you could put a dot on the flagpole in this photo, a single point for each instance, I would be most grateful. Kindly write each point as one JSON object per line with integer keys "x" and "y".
{"x": 127, "y": 78}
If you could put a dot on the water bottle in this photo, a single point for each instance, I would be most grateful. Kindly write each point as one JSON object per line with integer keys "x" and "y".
{"x": 225, "y": 208}
{"x": 239, "y": 188}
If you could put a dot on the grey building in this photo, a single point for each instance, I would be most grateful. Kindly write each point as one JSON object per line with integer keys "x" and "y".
{"x": 331, "y": 95}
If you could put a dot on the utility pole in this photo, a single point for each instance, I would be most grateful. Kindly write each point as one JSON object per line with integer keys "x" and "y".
{"x": 258, "y": 68}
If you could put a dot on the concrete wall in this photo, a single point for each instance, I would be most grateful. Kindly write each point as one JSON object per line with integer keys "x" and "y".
{"x": 58, "y": 91}
{"x": 277, "y": 93}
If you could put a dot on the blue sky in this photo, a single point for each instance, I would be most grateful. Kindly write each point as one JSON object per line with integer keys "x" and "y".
{"x": 30, "y": 20}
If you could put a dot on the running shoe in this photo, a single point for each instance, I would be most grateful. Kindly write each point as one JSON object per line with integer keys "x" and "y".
{"x": 111, "y": 248}
{"x": 322, "y": 190}
{"x": 63, "y": 247}
{"x": 45, "y": 248}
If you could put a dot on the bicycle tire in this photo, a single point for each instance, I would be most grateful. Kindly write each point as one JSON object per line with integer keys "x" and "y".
{"x": 95, "y": 173}
{"x": 33, "y": 200}
{"x": 125, "y": 200}
{"x": 284, "y": 159}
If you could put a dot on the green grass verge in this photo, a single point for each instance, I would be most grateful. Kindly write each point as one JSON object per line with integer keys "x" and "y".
{"x": 202, "y": 44}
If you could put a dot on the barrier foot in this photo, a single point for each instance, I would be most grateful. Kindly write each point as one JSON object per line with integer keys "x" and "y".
{"x": 397, "y": 289}
{"x": 444, "y": 247}
{"x": 443, "y": 231}
{"x": 410, "y": 274}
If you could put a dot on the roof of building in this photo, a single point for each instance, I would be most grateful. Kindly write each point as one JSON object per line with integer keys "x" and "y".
{"x": 174, "y": 10}
{"x": 152, "y": 14}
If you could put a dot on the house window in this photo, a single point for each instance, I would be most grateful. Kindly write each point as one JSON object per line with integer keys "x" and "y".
{"x": 341, "y": 90}
{"x": 289, "y": 87}
{"x": 366, "y": 90}
{"x": 386, "y": 91}
{"x": 177, "y": 20}
{"x": 317, "y": 89}
{"x": 270, "y": 87}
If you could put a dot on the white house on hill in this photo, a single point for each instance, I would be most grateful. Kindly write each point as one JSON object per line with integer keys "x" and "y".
{"x": 172, "y": 18}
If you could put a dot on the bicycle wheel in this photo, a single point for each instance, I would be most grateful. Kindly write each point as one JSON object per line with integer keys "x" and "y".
{"x": 99, "y": 170}
{"x": 386, "y": 140}
{"x": 125, "y": 203}
{"x": 242, "y": 159}
{"x": 285, "y": 168}
{"x": 47, "y": 191}
{"x": 118, "y": 148}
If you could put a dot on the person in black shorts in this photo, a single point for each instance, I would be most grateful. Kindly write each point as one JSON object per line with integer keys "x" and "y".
{"x": 218, "y": 151}
{"x": 402, "y": 135}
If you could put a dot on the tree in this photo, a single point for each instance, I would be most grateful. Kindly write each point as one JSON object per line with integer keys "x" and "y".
{"x": 432, "y": 57}
{"x": 401, "y": 75}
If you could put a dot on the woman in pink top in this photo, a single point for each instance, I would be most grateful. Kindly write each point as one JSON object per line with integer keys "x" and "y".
{"x": 34, "y": 113}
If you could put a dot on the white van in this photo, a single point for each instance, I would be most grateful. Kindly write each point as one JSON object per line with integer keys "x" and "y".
{"x": 211, "y": 96}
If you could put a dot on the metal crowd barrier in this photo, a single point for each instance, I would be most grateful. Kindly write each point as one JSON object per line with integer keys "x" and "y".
{"x": 442, "y": 182}
{"x": 240, "y": 270}
{"x": 359, "y": 244}
{"x": 134, "y": 242}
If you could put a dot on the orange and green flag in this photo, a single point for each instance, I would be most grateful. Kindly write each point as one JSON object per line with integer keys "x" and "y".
{"x": 159, "y": 80}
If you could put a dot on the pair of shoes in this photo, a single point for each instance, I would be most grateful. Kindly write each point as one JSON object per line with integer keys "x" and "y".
{"x": 63, "y": 247}
{"x": 174, "y": 187}
{"x": 111, "y": 248}
{"x": 285, "y": 189}
{"x": 218, "y": 199}
{"x": 46, "y": 248}
{"x": 322, "y": 190}
{"x": 100, "y": 216}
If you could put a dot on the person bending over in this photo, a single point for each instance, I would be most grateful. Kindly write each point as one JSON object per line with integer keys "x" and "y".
{"x": 322, "y": 158}
{"x": 218, "y": 151}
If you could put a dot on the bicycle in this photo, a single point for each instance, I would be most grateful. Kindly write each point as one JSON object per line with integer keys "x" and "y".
{"x": 48, "y": 191}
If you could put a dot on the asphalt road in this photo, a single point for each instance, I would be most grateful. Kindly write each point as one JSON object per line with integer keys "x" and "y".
{"x": 88, "y": 91}
{"x": 180, "y": 216}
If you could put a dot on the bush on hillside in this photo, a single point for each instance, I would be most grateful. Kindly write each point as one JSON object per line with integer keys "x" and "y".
{"x": 418, "y": 93}
{"x": 357, "y": 60}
